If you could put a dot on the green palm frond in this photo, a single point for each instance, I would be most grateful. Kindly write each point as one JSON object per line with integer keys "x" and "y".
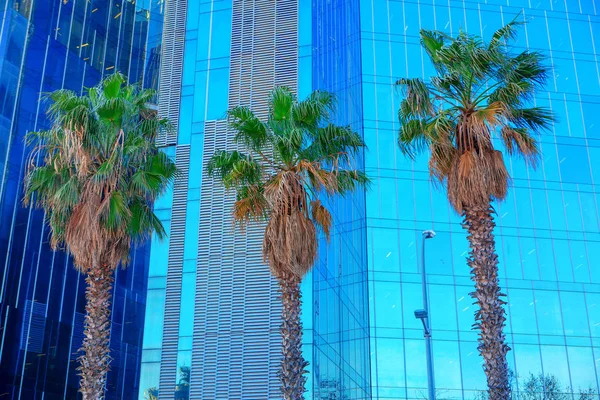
{"x": 417, "y": 98}
{"x": 249, "y": 130}
{"x": 333, "y": 143}
{"x": 432, "y": 42}
{"x": 350, "y": 180}
{"x": 144, "y": 222}
{"x": 281, "y": 101}
{"x": 318, "y": 107}
{"x": 111, "y": 86}
{"x": 506, "y": 33}
{"x": 413, "y": 138}
{"x": 234, "y": 168}
{"x": 533, "y": 118}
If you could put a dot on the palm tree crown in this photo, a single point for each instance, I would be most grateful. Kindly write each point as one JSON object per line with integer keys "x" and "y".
{"x": 481, "y": 91}
{"x": 289, "y": 160}
{"x": 100, "y": 172}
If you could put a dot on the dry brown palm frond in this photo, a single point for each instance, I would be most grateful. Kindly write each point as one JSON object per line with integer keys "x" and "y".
{"x": 491, "y": 114}
{"x": 320, "y": 178}
{"x": 477, "y": 133}
{"x": 290, "y": 244}
{"x": 286, "y": 193}
{"x": 83, "y": 232}
{"x": 441, "y": 160}
{"x": 466, "y": 182}
{"x": 252, "y": 207}
{"x": 89, "y": 242}
{"x": 518, "y": 142}
{"x": 475, "y": 178}
{"x": 467, "y": 163}
{"x": 496, "y": 174}
{"x": 321, "y": 216}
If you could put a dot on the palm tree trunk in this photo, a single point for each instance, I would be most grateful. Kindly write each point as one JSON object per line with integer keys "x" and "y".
{"x": 95, "y": 360}
{"x": 293, "y": 365}
{"x": 490, "y": 318}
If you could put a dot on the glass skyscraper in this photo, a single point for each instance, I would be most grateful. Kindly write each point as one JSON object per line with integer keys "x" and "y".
{"x": 48, "y": 45}
{"x": 547, "y": 229}
{"x": 213, "y": 316}
{"x": 211, "y": 328}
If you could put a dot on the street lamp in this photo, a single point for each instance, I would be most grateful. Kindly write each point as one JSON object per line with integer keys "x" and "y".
{"x": 423, "y": 315}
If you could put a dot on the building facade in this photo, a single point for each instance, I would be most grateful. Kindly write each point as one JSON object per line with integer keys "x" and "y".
{"x": 547, "y": 229}
{"x": 45, "y": 46}
{"x": 213, "y": 315}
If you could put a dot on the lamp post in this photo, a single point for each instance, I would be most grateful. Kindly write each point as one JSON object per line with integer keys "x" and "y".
{"x": 423, "y": 315}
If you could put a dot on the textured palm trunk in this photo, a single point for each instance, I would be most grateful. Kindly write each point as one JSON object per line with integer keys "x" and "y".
{"x": 95, "y": 360}
{"x": 490, "y": 319}
{"x": 293, "y": 364}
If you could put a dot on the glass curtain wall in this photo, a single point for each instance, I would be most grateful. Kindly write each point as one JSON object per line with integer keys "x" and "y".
{"x": 44, "y": 46}
{"x": 548, "y": 237}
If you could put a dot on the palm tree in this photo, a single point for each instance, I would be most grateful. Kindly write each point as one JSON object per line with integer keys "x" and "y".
{"x": 288, "y": 160}
{"x": 151, "y": 394}
{"x": 96, "y": 173}
{"x": 479, "y": 97}
{"x": 182, "y": 389}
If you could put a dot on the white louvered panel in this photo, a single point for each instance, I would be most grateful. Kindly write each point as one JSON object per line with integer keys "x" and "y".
{"x": 171, "y": 71}
{"x": 236, "y": 344}
{"x": 168, "y": 367}
{"x": 32, "y": 329}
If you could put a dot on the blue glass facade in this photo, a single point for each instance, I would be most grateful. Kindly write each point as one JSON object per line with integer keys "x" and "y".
{"x": 341, "y": 353}
{"x": 207, "y": 283}
{"x": 44, "y": 46}
{"x": 547, "y": 229}
{"x": 212, "y": 304}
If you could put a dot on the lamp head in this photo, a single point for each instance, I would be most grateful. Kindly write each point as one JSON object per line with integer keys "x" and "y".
{"x": 428, "y": 234}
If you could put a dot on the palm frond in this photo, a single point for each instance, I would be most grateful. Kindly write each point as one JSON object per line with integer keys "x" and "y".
{"x": 249, "y": 130}
{"x": 505, "y": 34}
{"x": 333, "y": 143}
{"x": 350, "y": 180}
{"x": 519, "y": 141}
{"x": 250, "y": 204}
{"x": 417, "y": 97}
{"x": 309, "y": 113}
{"x": 322, "y": 217}
{"x": 111, "y": 86}
{"x": 234, "y": 168}
{"x": 534, "y": 118}
{"x": 412, "y": 138}
{"x": 281, "y": 101}
{"x": 116, "y": 214}
{"x": 144, "y": 222}
{"x": 432, "y": 42}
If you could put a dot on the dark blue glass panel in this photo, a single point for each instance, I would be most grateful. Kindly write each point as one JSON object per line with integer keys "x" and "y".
{"x": 50, "y": 46}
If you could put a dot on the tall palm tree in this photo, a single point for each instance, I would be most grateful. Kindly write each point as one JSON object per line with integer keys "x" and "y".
{"x": 480, "y": 97}
{"x": 288, "y": 160}
{"x": 96, "y": 173}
